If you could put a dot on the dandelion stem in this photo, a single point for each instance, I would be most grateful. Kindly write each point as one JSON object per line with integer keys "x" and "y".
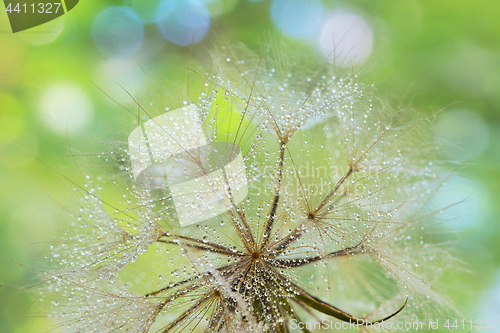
{"x": 330, "y": 310}
{"x": 274, "y": 205}
{"x": 334, "y": 190}
{"x": 203, "y": 245}
{"x": 298, "y": 262}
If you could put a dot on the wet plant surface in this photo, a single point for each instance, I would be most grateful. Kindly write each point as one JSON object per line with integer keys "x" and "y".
{"x": 337, "y": 221}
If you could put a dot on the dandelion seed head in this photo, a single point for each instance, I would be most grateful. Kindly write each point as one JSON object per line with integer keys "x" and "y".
{"x": 335, "y": 212}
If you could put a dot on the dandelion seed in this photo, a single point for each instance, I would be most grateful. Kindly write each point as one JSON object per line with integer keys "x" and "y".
{"x": 335, "y": 223}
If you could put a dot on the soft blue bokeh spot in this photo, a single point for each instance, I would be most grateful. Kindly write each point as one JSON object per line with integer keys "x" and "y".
{"x": 118, "y": 31}
{"x": 182, "y": 21}
{"x": 490, "y": 307}
{"x": 464, "y": 203}
{"x": 297, "y": 18}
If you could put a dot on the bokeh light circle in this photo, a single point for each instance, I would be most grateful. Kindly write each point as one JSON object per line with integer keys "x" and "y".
{"x": 64, "y": 109}
{"x": 346, "y": 38}
{"x": 297, "y": 18}
{"x": 120, "y": 78}
{"x": 183, "y": 21}
{"x": 465, "y": 203}
{"x": 464, "y": 132}
{"x": 118, "y": 31}
{"x": 490, "y": 307}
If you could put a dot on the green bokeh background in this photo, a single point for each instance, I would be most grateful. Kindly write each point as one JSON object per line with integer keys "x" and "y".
{"x": 431, "y": 54}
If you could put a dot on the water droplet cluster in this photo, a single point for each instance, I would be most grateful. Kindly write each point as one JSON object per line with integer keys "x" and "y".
{"x": 337, "y": 215}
